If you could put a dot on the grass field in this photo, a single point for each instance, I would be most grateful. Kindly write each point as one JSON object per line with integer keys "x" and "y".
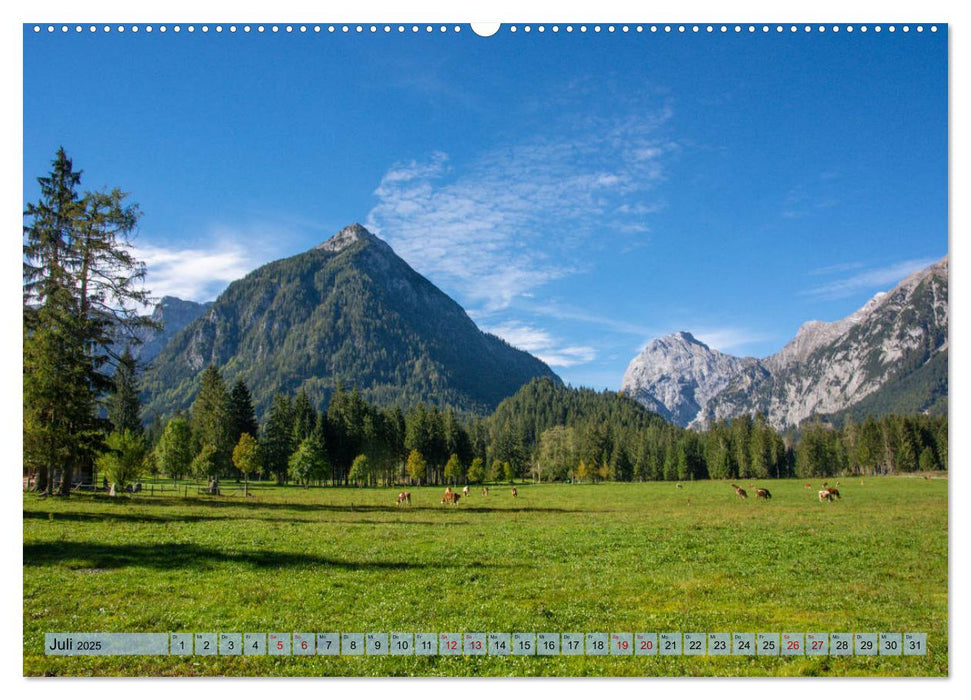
{"x": 559, "y": 558}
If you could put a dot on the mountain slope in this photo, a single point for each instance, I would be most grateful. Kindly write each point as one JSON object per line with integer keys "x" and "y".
{"x": 173, "y": 314}
{"x": 349, "y": 311}
{"x": 889, "y": 355}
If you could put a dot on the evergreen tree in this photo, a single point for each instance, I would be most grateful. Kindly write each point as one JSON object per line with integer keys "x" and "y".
{"x": 211, "y": 419}
{"x": 277, "y": 443}
{"x": 124, "y": 408}
{"x": 304, "y": 417}
{"x": 242, "y": 414}
{"x": 80, "y": 294}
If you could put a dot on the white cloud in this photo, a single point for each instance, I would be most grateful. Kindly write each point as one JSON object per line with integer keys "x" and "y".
{"x": 543, "y": 345}
{"x": 197, "y": 274}
{"x": 730, "y": 339}
{"x": 521, "y": 215}
{"x": 873, "y": 279}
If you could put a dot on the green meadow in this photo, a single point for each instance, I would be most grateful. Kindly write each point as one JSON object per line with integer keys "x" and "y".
{"x": 559, "y": 558}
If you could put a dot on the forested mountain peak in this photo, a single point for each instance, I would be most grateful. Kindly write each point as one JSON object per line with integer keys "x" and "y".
{"x": 350, "y": 312}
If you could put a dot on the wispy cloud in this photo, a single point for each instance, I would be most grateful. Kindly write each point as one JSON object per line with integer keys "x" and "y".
{"x": 201, "y": 272}
{"x": 869, "y": 280}
{"x": 520, "y": 215}
{"x": 571, "y": 313}
{"x": 197, "y": 274}
{"x": 544, "y": 345}
{"x": 731, "y": 339}
{"x": 836, "y": 268}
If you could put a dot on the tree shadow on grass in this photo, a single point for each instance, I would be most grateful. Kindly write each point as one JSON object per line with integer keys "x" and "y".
{"x": 167, "y": 556}
{"x": 217, "y": 503}
{"x": 135, "y": 516}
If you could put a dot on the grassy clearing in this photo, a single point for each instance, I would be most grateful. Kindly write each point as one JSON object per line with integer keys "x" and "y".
{"x": 580, "y": 558}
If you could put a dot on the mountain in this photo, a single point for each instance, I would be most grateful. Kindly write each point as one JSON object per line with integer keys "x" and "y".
{"x": 172, "y": 314}
{"x": 890, "y": 355}
{"x": 677, "y": 375}
{"x": 349, "y": 311}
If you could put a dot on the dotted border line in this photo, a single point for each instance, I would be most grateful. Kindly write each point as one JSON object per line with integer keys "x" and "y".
{"x": 511, "y": 28}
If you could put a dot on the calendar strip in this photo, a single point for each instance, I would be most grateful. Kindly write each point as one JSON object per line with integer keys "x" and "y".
{"x": 487, "y": 644}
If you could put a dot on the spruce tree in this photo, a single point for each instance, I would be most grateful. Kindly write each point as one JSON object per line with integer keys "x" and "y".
{"x": 277, "y": 443}
{"x": 211, "y": 418}
{"x": 81, "y": 294}
{"x": 241, "y": 412}
{"x": 124, "y": 408}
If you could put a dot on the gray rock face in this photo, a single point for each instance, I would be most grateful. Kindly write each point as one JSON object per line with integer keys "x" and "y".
{"x": 173, "y": 314}
{"x": 826, "y": 368}
{"x": 677, "y": 375}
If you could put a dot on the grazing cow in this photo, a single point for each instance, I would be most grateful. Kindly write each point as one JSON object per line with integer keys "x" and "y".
{"x": 450, "y": 498}
{"x": 763, "y": 493}
{"x": 514, "y": 492}
{"x": 404, "y": 497}
{"x": 485, "y": 490}
{"x": 833, "y": 492}
{"x": 827, "y": 495}
{"x": 739, "y": 491}
{"x": 465, "y": 492}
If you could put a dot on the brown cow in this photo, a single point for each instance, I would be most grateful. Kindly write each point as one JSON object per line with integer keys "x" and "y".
{"x": 763, "y": 493}
{"x": 485, "y": 490}
{"x": 739, "y": 491}
{"x": 404, "y": 497}
{"x": 514, "y": 492}
{"x": 450, "y": 498}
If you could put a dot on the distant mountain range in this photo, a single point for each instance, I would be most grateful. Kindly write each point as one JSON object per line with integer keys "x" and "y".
{"x": 890, "y": 356}
{"x": 349, "y": 311}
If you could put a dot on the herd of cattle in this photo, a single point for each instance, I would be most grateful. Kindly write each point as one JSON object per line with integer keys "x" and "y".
{"x": 827, "y": 493}
{"x": 451, "y": 497}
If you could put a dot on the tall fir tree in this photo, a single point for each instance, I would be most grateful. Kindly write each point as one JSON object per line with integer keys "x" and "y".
{"x": 277, "y": 443}
{"x": 211, "y": 423}
{"x": 81, "y": 294}
{"x": 242, "y": 414}
{"x": 124, "y": 407}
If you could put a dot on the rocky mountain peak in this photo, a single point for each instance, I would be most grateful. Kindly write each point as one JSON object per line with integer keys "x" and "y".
{"x": 898, "y": 339}
{"x": 675, "y": 375}
{"x": 346, "y": 237}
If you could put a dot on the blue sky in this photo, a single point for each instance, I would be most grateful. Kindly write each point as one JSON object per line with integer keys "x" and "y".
{"x": 579, "y": 194}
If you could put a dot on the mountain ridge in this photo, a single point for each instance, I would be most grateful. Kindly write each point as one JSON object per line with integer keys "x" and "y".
{"x": 825, "y": 369}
